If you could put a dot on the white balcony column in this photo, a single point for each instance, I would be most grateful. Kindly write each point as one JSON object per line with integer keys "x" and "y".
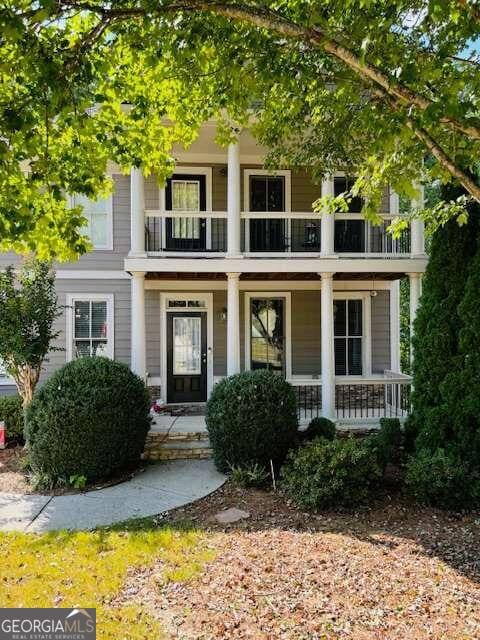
{"x": 328, "y": 358}
{"x": 395, "y": 326}
{"x": 233, "y": 201}
{"x": 137, "y": 212}
{"x": 233, "y": 324}
{"x": 138, "y": 337}
{"x": 327, "y": 222}
{"x": 417, "y": 227}
{"x": 415, "y": 293}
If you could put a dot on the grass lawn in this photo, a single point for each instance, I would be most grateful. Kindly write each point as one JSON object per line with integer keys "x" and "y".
{"x": 392, "y": 571}
{"x": 88, "y": 569}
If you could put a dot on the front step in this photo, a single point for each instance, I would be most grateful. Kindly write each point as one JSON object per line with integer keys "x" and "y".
{"x": 172, "y": 438}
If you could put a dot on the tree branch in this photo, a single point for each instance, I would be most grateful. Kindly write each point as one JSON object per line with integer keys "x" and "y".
{"x": 266, "y": 19}
{"x": 473, "y": 9}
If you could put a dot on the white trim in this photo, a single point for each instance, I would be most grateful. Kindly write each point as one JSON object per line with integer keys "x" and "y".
{"x": 277, "y": 265}
{"x": 70, "y": 299}
{"x": 288, "y": 325}
{"x": 208, "y": 309}
{"x": 366, "y": 330}
{"x": 218, "y": 158}
{"x": 395, "y": 361}
{"x": 262, "y": 285}
{"x": 90, "y": 274}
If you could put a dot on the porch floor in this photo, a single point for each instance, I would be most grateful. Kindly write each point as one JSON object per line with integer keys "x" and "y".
{"x": 194, "y": 425}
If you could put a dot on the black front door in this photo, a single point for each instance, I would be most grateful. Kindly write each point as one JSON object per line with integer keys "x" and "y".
{"x": 186, "y": 357}
{"x": 186, "y": 193}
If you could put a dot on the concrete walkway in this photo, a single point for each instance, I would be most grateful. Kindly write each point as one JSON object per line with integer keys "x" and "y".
{"x": 159, "y": 488}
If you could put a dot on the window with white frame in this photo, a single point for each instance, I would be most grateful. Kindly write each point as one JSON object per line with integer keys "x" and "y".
{"x": 91, "y": 327}
{"x": 98, "y": 214}
{"x": 348, "y": 337}
{"x": 186, "y": 197}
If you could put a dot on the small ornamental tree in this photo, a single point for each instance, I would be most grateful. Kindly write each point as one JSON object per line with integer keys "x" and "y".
{"x": 28, "y": 309}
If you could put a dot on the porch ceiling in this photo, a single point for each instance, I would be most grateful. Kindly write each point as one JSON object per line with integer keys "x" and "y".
{"x": 374, "y": 276}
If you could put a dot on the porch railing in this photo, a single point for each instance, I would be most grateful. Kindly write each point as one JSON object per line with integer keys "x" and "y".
{"x": 363, "y": 399}
{"x": 268, "y": 234}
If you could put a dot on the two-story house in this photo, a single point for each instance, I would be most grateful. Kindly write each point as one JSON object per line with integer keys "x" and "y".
{"x": 228, "y": 269}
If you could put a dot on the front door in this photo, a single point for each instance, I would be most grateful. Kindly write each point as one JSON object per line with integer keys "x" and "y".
{"x": 186, "y": 357}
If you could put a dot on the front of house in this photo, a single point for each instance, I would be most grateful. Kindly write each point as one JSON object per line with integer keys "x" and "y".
{"x": 228, "y": 269}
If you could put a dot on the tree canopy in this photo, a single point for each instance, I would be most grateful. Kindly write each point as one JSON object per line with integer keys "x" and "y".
{"x": 368, "y": 86}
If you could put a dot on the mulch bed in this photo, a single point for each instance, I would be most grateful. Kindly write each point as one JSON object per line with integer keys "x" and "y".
{"x": 14, "y": 479}
{"x": 395, "y": 570}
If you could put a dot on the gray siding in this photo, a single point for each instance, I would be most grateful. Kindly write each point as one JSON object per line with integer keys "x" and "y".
{"x": 121, "y": 292}
{"x": 111, "y": 260}
{"x": 381, "y": 332}
{"x": 152, "y": 320}
{"x": 220, "y": 334}
{"x": 306, "y": 351}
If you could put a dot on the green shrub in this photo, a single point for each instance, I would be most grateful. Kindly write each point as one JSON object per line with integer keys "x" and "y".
{"x": 320, "y": 428}
{"x": 340, "y": 472}
{"x": 11, "y": 412}
{"x": 387, "y": 441}
{"x": 443, "y": 479}
{"x": 89, "y": 419}
{"x": 249, "y": 475}
{"x": 251, "y": 418}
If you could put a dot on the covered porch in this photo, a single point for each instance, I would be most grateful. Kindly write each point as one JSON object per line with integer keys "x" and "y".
{"x": 336, "y": 340}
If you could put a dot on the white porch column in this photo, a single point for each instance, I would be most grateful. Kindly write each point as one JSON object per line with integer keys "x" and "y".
{"x": 233, "y": 324}
{"x": 327, "y": 222}
{"x": 395, "y": 326}
{"x": 415, "y": 293}
{"x": 328, "y": 365}
{"x": 417, "y": 227}
{"x": 233, "y": 201}
{"x": 137, "y": 212}
{"x": 138, "y": 338}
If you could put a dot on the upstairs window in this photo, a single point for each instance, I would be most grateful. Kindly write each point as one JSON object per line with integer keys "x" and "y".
{"x": 99, "y": 220}
{"x": 343, "y": 185}
{"x": 267, "y": 193}
{"x": 348, "y": 337}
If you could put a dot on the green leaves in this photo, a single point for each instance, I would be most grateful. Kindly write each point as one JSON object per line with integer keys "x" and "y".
{"x": 80, "y": 89}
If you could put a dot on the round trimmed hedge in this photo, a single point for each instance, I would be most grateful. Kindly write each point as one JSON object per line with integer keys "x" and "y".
{"x": 89, "y": 419}
{"x": 251, "y": 418}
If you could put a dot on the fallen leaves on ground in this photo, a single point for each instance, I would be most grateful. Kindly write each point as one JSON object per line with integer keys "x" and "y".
{"x": 394, "y": 571}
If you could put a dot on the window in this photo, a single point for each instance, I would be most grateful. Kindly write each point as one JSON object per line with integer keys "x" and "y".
{"x": 342, "y": 185}
{"x": 91, "y": 326}
{"x": 191, "y": 304}
{"x": 267, "y": 193}
{"x": 348, "y": 337}
{"x": 99, "y": 220}
{"x": 267, "y": 334}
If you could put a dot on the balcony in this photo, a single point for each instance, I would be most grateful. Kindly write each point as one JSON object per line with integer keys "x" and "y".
{"x": 269, "y": 235}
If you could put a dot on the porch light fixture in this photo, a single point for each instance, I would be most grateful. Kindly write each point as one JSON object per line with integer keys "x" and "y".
{"x": 373, "y": 293}
{"x": 222, "y": 316}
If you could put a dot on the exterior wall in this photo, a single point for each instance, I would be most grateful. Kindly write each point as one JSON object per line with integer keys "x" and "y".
{"x": 306, "y": 337}
{"x": 381, "y": 332}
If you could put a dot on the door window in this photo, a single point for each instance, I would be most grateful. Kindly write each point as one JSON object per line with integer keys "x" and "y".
{"x": 187, "y": 357}
{"x": 267, "y": 193}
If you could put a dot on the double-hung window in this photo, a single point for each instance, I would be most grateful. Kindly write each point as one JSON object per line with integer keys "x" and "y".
{"x": 98, "y": 214}
{"x": 91, "y": 326}
{"x": 348, "y": 337}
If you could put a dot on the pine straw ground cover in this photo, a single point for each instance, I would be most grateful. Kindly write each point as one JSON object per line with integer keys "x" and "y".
{"x": 394, "y": 571}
